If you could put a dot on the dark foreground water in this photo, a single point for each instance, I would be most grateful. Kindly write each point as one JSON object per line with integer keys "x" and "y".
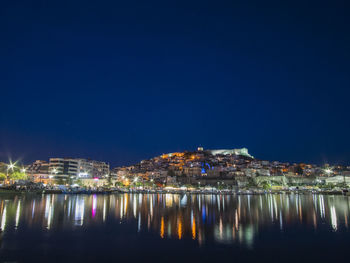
{"x": 174, "y": 228}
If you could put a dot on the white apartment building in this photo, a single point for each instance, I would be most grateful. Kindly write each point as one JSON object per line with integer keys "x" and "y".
{"x": 63, "y": 167}
{"x": 78, "y": 168}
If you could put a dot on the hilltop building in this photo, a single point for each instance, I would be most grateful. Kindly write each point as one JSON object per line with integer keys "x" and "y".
{"x": 242, "y": 152}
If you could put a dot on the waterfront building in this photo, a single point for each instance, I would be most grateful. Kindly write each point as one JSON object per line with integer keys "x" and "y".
{"x": 63, "y": 167}
{"x": 85, "y": 168}
{"x": 78, "y": 168}
{"x": 38, "y": 171}
{"x": 100, "y": 169}
{"x": 38, "y": 167}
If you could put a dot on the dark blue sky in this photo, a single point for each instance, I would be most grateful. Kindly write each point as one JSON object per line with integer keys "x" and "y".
{"x": 123, "y": 81}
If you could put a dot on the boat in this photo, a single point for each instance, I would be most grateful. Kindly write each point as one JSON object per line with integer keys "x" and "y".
{"x": 346, "y": 192}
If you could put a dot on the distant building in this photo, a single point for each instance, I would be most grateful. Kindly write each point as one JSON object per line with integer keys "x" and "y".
{"x": 64, "y": 167}
{"x": 78, "y": 168}
{"x": 100, "y": 169}
{"x": 38, "y": 167}
{"x": 85, "y": 168}
{"x": 242, "y": 152}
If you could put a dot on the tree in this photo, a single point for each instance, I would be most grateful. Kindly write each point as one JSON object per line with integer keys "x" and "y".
{"x": 60, "y": 181}
{"x": 138, "y": 184}
{"x": 79, "y": 182}
{"x": 18, "y": 176}
{"x": 251, "y": 182}
{"x": 299, "y": 170}
{"x": 119, "y": 184}
{"x": 330, "y": 185}
{"x": 265, "y": 185}
{"x": 2, "y": 176}
{"x": 221, "y": 186}
{"x": 342, "y": 185}
{"x": 3, "y": 168}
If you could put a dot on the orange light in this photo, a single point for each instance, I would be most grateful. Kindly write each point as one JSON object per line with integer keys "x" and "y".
{"x": 162, "y": 228}
{"x": 193, "y": 229}
{"x": 179, "y": 230}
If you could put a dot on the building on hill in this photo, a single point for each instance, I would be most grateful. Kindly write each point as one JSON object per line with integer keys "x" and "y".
{"x": 242, "y": 152}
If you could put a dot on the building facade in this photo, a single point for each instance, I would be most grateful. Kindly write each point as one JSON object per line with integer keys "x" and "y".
{"x": 64, "y": 167}
{"x": 76, "y": 168}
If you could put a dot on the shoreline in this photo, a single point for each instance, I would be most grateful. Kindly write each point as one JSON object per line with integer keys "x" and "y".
{"x": 190, "y": 192}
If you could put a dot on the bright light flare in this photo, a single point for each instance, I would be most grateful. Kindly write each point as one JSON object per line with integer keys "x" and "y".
{"x": 11, "y": 165}
{"x": 328, "y": 171}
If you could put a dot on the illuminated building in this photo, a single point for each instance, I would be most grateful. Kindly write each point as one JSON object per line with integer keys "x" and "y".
{"x": 63, "y": 167}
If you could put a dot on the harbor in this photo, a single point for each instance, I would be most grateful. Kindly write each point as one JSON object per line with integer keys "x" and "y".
{"x": 92, "y": 227}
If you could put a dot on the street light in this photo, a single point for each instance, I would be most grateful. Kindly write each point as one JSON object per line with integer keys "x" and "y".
{"x": 10, "y": 166}
{"x": 54, "y": 170}
{"x": 328, "y": 171}
{"x": 134, "y": 181}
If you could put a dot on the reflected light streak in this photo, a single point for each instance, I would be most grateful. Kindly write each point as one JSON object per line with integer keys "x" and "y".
{"x": 334, "y": 218}
{"x": 121, "y": 209}
{"x": 134, "y": 206}
{"x": 179, "y": 229}
{"x": 345, "y": 219}
{"x": 126, "y": 200}
{"x": 33, "y": 209}
{"x": 47, "y": 210}
{"x": 321, "y": 202}
{"x": 3, "y": 218}
{"x": 281, "y": 221}
{"x": 18, "y": 213}
{"x": 79, "y": 211}
{"x": 220, "y": 229}
{"x": 162, "y": 227}
{"x": 193, "y": 226}
{"x": 139, "y": 223}
{"x": 104, "y": 209}
{"x": 94, "y": 203}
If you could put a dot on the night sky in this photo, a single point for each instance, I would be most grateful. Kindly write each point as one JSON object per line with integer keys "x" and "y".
{"x": 123, "y": 81}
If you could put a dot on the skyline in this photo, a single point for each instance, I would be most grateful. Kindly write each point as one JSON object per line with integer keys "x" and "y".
{"x": 122, "y": 82}
{"x": 21, "y": 161}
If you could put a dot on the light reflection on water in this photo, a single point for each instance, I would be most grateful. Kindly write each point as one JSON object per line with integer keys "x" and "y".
{"x": 220, "y": 218}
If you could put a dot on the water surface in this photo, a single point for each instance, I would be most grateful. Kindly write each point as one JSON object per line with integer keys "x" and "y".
{"x": 171, "y": 227}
